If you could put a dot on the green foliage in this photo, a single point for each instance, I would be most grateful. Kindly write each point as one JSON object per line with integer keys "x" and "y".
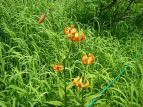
{"x": 109, "y": 13}
{"x": 114, "y": 35}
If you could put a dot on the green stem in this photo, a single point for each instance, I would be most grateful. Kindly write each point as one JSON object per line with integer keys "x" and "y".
{"x": 82, "y": 93}
{"x": 65, "y": 89}
{"x": 65, "y": 85}
{"x": 83, "y": 77}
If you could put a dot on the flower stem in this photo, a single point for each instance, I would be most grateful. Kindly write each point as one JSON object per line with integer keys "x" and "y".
{"x": 83, "y": 76}
{"x": 65, "y": 89}
{"x": 82, "y": 93}
{"x": 65, "y": 85}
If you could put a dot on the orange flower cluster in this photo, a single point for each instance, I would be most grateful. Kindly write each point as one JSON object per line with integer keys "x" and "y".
{"x": 78, "y": 83}
{"x": 73, "y": 34}
{"x": 88, "y": 59}
{"x": 58, "y": 67}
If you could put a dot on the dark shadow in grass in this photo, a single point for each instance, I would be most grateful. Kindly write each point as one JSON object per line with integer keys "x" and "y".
{"x": 111, "y": 16}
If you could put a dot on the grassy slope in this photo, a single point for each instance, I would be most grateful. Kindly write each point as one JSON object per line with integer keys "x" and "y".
{"x": 26, "y": 56}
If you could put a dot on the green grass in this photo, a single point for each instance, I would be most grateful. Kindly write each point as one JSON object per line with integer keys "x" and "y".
{"x": 28, "y": 51}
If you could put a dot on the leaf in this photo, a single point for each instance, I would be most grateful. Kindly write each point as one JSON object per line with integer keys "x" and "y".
{"x": 2, "y": 104}
{"x": 55, "y": 103}
{"x": 69, "y": 86}
{"x": 89, "y": 98}
{"x": 18, "y": 89}
{"x": 61, "y": 92}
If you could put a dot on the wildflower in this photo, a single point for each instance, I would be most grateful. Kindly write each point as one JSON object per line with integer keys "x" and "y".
{"x": 73, "y": 34}
{"x": 77, "y": 37}
{"x": 88, "y": 59}
{"x": 41, "y": 19}
{"x": 82, "y": 36}
{"x": 78, "y": 83}
{"x": 58, "y": 67}
{"x": 70, "y": 30}
{"x": 75, "y": 81}
{"x": 86, "y": 85}
{"x": 67, "y": 30}
{"x": 73, "y": 31}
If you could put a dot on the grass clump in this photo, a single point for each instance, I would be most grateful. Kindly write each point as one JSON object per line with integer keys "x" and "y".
{"x": 29, "y": 50}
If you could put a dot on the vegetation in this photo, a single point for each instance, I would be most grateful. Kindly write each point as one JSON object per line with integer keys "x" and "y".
{"x": 42, "y": 66}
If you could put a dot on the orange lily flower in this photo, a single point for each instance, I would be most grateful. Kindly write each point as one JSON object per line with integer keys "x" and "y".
{"x": 58, "y": 67}
{"x": 82, "y": 36}
{"x": 73, "y": 34}
{"x": 77, "y": 37}
{"x": 67, "y": 30}
{"x": 75, "y": 81}
{"x": 41, "y": 19}
{"x": 88, "y": 59}
{"x": 78, "y": 83}
{"x": 70, "y": 30}
{"x": 86, "y": 85}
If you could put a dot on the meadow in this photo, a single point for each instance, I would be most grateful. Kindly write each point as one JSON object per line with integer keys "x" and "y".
{"x": 71, "y": 53}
